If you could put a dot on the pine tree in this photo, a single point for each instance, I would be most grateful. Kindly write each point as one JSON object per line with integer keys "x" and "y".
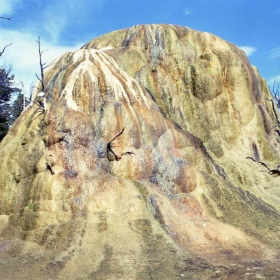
{"x": 7, "y": 90}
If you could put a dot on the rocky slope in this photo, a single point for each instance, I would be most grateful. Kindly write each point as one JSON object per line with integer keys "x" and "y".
{"x": 172, "y": 196}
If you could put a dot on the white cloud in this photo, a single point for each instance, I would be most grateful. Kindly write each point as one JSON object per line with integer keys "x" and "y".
{"x": 275, "y": 53}
{"x": 187, "y": 11}
{"x": 7, "y": 7}
{"x": 58, "y": 15}
{"x": 56, "y": 18}
{"x": 23, "y": 55}
{"x": 54, "y": 25}
{"x": 248, "y": 50}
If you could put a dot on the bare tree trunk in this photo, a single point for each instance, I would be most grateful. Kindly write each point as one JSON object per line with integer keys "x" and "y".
{"x": 42, "y": 78}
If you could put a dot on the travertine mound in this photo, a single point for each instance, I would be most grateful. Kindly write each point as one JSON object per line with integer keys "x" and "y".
{"x": 172, "y": 196}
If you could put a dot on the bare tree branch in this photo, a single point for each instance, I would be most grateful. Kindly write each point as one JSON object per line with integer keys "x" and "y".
{"x": 109, "y": 147}
{"x": 111, "y": 153}
{"x": 275, "y": 92}
{"x": 4, "y": 49}
{"x": 262, "y": 163}
{"x": 270, "y": 171}
{"x": 7, "y": 18}
{"x": 42, "y": 79}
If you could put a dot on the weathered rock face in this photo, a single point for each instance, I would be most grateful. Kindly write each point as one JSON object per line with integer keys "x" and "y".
{"x": 173, "y": 196}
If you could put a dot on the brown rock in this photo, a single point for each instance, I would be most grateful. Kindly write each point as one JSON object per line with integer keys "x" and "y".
{"x": 179, "y": 200}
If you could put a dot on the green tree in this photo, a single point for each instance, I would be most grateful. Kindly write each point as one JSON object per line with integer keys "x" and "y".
{"x": 7, "y": 90}
{"x": 4, "y": 127}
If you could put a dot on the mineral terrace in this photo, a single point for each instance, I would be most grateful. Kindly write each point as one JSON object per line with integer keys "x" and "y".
{"x": 137, "y": 168}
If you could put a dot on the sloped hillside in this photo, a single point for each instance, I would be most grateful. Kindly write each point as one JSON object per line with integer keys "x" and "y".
{"x": 137, "y": 168}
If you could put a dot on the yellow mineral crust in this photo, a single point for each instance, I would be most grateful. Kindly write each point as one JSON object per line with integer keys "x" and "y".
{"x": 137, "y": 168}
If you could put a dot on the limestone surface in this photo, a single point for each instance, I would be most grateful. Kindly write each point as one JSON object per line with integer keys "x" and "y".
{"x": 138, "y": 167}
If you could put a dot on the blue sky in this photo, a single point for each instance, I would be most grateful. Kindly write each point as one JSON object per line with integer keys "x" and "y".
{"x": 63, "y": 25}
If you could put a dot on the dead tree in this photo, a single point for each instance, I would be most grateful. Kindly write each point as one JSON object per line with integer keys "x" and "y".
{"x": 1, "y": 53}
{"x": 7, "y": 18}
{"x": 42, "y": 66}
{"x": 275, "y": 93}
{"x": 41, "y": 105}
{"x": 275, "y": 171}
{"x": 111, "y": 155}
